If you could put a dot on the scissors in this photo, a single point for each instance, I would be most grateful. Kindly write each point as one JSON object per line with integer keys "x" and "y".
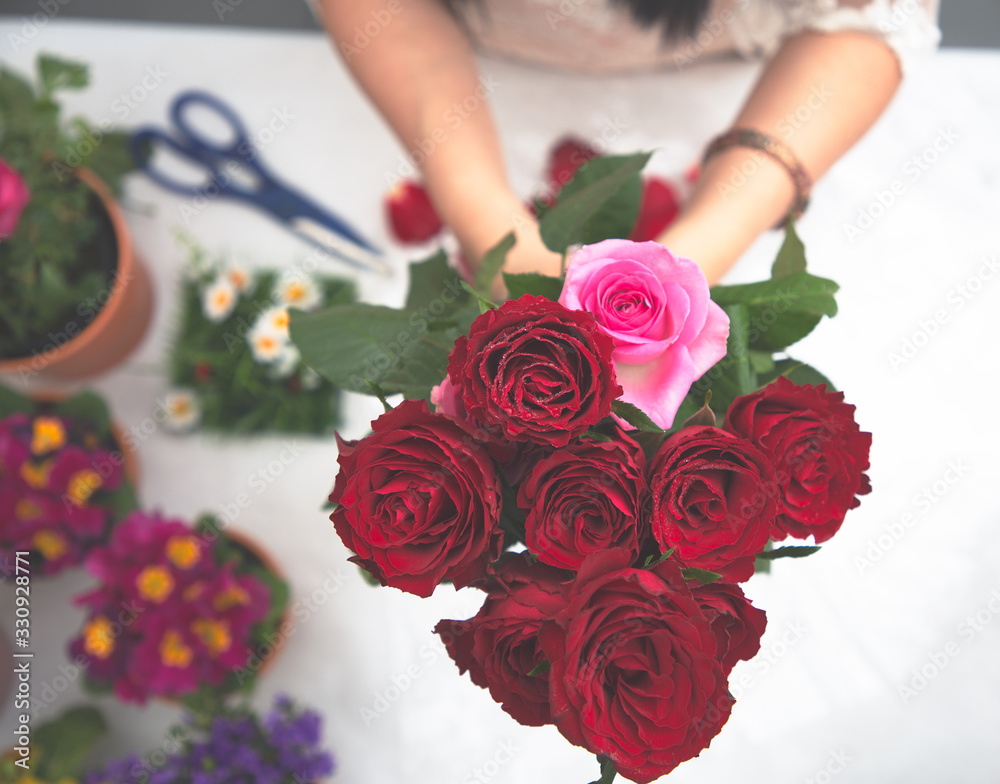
{"x": 231, "y": 164}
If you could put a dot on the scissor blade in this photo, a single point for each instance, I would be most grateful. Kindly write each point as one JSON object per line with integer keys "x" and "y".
{"x": 333, "y": 243}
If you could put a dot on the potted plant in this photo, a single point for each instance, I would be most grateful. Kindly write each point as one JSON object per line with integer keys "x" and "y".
{"x": 180, "y": 613}
{"x": 65, "y": 480}
{"x": 283, "y": 747}
{"x": 58, "y": 749}
{"x": 74, "y": 300}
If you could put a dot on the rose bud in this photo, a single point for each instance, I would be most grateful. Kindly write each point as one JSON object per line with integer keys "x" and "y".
{"x": 565, "y": 158}
{"x": 713, "y": 500}
{"x": 818, "y": 451}
{"x": 411, "y": 214}
{"x": 418, "y": 501}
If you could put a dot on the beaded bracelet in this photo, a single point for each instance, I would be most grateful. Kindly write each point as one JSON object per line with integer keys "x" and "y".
{"x": 775, "y": 149}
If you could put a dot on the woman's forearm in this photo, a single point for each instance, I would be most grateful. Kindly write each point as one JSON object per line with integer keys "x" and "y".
{"x": 419, "y": 70}
{"x": 818, "y": 95}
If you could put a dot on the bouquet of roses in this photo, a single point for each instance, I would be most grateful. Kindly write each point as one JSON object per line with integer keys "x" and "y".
{"x": 63, "y": 480}
{"x": 560, "y": 452}
{"x": 233, "y": 368}
{"x": 178, "y": 612}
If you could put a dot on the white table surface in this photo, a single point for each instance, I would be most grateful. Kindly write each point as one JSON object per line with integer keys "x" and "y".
{"x": 841, "y": 638}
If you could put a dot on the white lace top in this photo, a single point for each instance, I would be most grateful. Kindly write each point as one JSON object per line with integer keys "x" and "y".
{"x": 598, "y": 36}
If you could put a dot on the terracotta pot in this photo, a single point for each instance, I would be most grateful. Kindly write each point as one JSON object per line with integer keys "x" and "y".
{"x": 115, "y": 330}
{"x": 270, "y": 564}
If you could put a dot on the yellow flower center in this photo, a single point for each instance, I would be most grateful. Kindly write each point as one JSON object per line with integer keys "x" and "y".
{"x": 214, "y": 634}
{"x": 183, "y": 551}
{"x": 173, "y": 651}
{"x": 266, "y": 343}
{"x": 36, "y": 475}
{"x": 234, "y": 596}
{"x": 281, "y": 320}
{"x": 82, "y": 485}
{"x": 238, "y": 278}
{"x": 47, "y": 434}
{"x": 155, "y": 583}
{"x": 222, "y": 299}
{"x": 98, "y": 639}
{"x": 26, "y": 509}
{"x": 180, "y": 406}
{"x": 51, "y": 544}
{"x": 295, "y": 292}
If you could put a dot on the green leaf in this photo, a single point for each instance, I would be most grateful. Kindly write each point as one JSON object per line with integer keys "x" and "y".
{"x": 797, "y": 551}
{"x": 484, "y": 302}
{"x": 111, "y": 158}
{"x": 653, "y": 560}
{"x": 728, "y": 378}
{"x": 761, "y": 362}
{"x": 701, "y": 575}
{"x": 566, "y": 223}
{"x": 491, "y": 264}
{"x": 368, "y": 577}
{"x": 617, "y": 216}
{"x": 353, "y": 344}
{"x": 532, "y": 283}
{"x": 781, "y": 311}
{"x": 67, "y": 741}
{"x": 56, "y": 74}
{"x": 434, "y": 287}
{"x": 13, "y": 403}
{"x": 635, "y": 417}
{"x": 608, "y": 772}
{"x": 791, "y": 257}
{"x": 543, "y": 667}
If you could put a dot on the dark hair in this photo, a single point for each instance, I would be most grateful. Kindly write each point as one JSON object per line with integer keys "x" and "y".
{"x": 678, "y": 18}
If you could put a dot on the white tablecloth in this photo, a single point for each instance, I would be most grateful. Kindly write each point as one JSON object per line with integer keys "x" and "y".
{"x": 823, "y": 699}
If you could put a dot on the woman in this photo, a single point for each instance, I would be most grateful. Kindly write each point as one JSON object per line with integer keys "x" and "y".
{"x": 850, "y": 55}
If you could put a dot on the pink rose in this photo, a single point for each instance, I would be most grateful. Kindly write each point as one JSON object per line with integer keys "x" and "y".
{"x": 657, "y": 309}
{"x": 14, "y": 194}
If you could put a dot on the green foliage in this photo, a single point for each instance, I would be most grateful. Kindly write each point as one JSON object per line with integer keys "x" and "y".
{"x": 765, "y": 318}
{"x": 533, "y": 283}
{"x": 491, "y": 263}
{"x": 66, "y": 742}
{"x": 237, "y": 394}
{"x": 600, "y": 202}
{"x": 60, "y": 259}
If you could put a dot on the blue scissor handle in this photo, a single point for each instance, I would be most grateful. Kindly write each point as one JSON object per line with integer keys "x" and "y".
{"x": 240, "y": 147}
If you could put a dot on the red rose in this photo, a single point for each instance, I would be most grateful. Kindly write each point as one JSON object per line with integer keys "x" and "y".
{"x": 737, "y": 624}
{"x": 411, "y": 214}
{"x": 713, "y": 499}
{"x": 657, "y": 210}
{"x": 499, "y": 646}
{"x": 819, "y": 453}
{"x": 635, "y": 675}
{"x": 535, "y": 370}
{"x": 565, "y": 158}
{"x": 584, "y": 498}
{"x": 418, "y": 500}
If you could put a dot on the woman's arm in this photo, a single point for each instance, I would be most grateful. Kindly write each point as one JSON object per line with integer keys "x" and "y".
{"x": 843, "y": 82}
{"x": 417, "y": 69}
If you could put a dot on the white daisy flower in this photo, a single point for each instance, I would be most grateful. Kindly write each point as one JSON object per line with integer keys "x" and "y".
{"x": 267, "y": 339}
{"x": 310, "y": 378}
{"x": 182, "y": 410}
{"x": 239, "y": 277}
{"x": 218, "y": 300}
{"x": 287, "y": 361}
{"x": 301, "y": 292}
